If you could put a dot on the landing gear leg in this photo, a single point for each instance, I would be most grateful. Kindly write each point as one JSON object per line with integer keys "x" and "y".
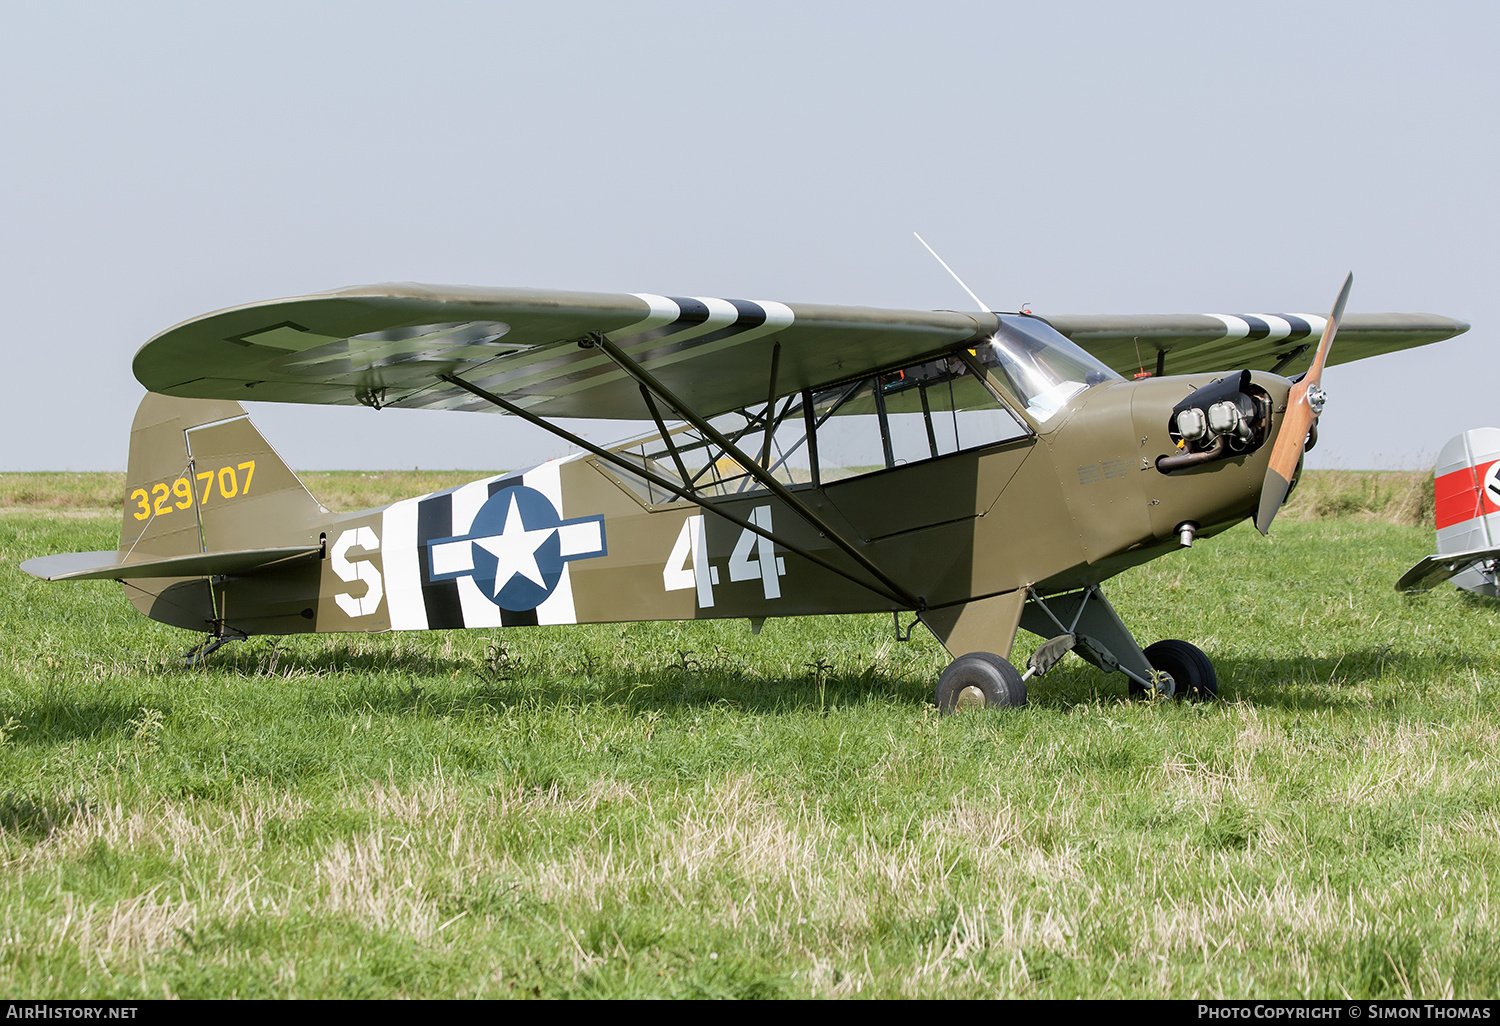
{"x": 1101, "y": 637}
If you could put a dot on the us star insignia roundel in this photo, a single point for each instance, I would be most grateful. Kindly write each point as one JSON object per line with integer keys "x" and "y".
{"x": 517, "y": 548}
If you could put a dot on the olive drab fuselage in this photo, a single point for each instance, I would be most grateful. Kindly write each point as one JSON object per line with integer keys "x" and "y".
{"x": 1068, "y": 504}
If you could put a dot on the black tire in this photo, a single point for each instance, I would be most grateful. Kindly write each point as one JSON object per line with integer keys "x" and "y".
{"x": 1191, "y": 671}
{"x": 980, "y": 680}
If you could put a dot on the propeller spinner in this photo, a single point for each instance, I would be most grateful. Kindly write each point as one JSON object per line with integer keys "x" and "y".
{"x": 1303, "y": 406}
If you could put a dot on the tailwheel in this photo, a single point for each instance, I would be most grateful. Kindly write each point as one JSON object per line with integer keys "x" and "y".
{"x": 979, "y": 680}
{"x": 200, "y": 652}
{"x": 1191, "y": 672}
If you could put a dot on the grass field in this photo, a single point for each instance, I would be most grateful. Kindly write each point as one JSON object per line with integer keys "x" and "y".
{"x": 687, "y": 810}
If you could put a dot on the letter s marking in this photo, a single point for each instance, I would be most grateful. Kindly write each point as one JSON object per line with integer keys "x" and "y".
{"x": 357, "y": 570}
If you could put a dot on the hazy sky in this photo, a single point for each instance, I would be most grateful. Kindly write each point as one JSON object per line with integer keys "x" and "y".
{"x": 164, "y": 160}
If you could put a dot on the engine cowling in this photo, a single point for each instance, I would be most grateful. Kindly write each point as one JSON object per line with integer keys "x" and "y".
{"x": 1224, "y": 419}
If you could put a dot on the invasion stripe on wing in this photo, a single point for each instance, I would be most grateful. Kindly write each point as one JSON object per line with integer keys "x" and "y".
{"x": 542, "y": 362}
{"x": 704, "y": 325}
{"x": 756, "y": 320}
{"x": 1271, "y": 327}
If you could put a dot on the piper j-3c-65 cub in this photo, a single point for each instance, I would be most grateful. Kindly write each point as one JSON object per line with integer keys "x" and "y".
{"x": 982, "y": 471}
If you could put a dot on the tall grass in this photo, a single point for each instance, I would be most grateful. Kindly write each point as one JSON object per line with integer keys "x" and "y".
{"x": 1389, "y": 496}
{"x": 689, "y": 810}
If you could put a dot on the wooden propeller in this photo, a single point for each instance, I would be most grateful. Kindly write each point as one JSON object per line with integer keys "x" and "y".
{"x": 1302, "y": 408}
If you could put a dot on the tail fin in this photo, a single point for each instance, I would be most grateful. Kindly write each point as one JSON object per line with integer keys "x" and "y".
{"x": 1467, "y": 487}
{"x": 1467, "y": 490}
{"x": 202, "y": 479}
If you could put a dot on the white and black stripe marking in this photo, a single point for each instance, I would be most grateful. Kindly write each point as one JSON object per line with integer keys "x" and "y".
{"x": 675, "y": 329}
{"x": 1271, "y": 327}
{"x": 417, "y": 601}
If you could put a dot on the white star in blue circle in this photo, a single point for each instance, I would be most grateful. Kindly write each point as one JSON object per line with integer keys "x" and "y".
{"x": 516, "y": 548}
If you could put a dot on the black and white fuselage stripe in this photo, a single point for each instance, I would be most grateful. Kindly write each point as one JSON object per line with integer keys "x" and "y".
{"x": 414, "y": 528}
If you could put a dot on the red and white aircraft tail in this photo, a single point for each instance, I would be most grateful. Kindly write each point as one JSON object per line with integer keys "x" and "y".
{"x": 1468, "y": 517}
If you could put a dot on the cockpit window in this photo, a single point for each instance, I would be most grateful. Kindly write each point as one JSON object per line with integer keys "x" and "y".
{"x": 1042, "y": 367}
{"x": 906, "y": 416}
{"x": 879, "y": 422}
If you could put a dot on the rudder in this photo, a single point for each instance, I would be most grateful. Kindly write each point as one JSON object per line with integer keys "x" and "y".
{"x": 1466, "y": 485}
{"x": 1467, "y": 491}
{"x": 201, "y": 478}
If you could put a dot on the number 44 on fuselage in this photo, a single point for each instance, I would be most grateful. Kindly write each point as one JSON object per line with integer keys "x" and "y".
{"x": 985, "y": 472}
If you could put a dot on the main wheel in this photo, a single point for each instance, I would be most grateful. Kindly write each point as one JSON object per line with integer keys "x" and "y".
{"x": 1191, "y": 671}
{"x": 979, "y": 680}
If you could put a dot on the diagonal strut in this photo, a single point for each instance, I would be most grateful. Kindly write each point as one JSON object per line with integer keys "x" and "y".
{"x": 899, "y": 596}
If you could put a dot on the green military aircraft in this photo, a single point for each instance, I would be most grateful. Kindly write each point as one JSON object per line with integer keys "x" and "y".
{"x": 984, "y": 472}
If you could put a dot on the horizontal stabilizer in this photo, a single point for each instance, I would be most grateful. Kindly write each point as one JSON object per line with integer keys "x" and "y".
{"x": 108, "y": 566}
{"x": 1436, "y": 569}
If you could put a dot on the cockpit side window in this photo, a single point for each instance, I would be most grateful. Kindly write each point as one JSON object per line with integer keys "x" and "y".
{"x": 904, "y": 416}
{"x": 879, "y": 422}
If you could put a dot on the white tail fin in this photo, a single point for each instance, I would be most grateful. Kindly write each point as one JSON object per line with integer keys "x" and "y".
{"x": 1467, "y": 490}
{"x": 1466, "y": 487}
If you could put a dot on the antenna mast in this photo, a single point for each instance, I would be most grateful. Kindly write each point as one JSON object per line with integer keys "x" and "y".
{"x": 956, "y": 278}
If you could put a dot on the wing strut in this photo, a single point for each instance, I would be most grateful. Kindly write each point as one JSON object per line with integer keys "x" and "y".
{"x": 666, "y": 395}
{"x": 765, "y": 449}
{"x": 892, "y": 592}
{"x": 1286, "y": 361}
{"x": 666, "y": 437}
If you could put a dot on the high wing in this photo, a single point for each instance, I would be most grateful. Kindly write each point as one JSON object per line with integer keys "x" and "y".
{"x": 1281, "y": 343}
{"x": 389, "y": 345}
{"x": 397, "y": 345}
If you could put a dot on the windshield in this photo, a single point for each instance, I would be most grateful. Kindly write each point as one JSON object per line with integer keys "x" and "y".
{"x": 1043, "y": 368}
